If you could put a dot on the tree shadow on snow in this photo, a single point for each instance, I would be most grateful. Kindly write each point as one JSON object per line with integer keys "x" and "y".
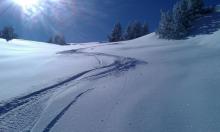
{"x": 206, "y": 25}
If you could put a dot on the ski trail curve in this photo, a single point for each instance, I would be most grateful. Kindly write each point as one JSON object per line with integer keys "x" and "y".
{"x": 25, "y": 99}
{"x": 33, "y": 101}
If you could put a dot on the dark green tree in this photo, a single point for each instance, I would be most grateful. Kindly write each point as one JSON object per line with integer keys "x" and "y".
{"x": 133, "y": 30}
{"x": 181, "y": 21}
{"x": 176, "y": 24}
{"x": 57, "y": 39}
{"x": 165, "y": 29}
{"x": 8, "y": 33}
{"x": 116, "y": 34}
{"x": 195, "y": 6}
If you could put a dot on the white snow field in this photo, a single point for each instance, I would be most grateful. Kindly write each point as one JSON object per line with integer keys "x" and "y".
{"x": 142, "y": 85}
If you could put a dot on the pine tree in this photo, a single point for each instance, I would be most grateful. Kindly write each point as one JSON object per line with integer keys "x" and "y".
{"x": 133, "y": 30}
{"x": 165, "y": 29}
{"x": 181, "y": 22}
{"x": 176, "y": 25}
{"x": 195, "y": 6}
{"x": 116, "y": 34}
{"x": 57, "y": 39}
{"x": 137, "y": 29}
{"x": 8, "y": 33}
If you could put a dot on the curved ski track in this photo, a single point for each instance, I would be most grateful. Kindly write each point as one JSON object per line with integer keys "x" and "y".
{"x": 20, "y": 114}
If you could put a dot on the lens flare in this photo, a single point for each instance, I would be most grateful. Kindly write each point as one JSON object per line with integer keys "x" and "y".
{"x": 47, "y": 14}
{"x": 27, "y": 4}
{"x": 29, "y": 7}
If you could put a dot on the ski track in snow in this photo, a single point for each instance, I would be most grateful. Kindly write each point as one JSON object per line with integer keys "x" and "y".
{"x": 23, "y": 112}
{"x": 56, "y": 119}
{"x": 25, "y": 99}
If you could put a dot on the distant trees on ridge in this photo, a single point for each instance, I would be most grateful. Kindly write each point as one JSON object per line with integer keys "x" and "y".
{"x": 133, "y": 30}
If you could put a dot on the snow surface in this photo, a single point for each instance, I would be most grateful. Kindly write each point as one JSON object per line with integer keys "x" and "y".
{"x": 142, "y": 85}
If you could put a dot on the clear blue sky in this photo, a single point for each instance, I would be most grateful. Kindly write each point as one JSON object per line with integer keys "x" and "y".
{"x": 81, "y": 20}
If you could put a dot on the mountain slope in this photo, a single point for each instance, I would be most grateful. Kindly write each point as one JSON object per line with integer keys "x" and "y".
{"x": 140, "y": 85}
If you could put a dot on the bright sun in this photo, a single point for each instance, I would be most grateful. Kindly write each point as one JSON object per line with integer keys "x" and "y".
{"x": 29, "y": 7}
{"x": 27, "y": 4}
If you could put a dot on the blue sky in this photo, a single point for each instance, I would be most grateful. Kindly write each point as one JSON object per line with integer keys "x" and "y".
{"x": 81, "y": 20}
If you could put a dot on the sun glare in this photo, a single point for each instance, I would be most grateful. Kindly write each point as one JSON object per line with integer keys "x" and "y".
{"x": 30, "y": 7}
{"x": 27, "y": 4}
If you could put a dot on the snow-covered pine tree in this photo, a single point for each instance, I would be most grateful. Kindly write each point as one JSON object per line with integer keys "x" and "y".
{"x": 137, "y": 29}
{"x": 133, "y": 30}
{"x": 165, "y": 29}
{"x": 175, "y": 25}
{"x": 195, "y": 6}
{"x": 181, "y": 22}
{"x": 116, "y": 34}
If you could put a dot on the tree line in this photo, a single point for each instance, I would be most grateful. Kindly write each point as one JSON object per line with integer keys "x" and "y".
{"x": 176, "y": 23}
{"x": 8, "y": 33}
{"x": 134, "y": 30}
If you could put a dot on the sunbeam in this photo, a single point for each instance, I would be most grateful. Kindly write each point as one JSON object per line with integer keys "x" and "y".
{"x": 27, "y": 4}
{"x": 29, "y": 7}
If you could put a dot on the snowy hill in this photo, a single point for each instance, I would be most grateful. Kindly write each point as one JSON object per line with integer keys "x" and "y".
{"x": 142, "y": 85}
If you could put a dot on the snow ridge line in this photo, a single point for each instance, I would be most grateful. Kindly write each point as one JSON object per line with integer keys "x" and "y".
{"x": 58, "y": 117}
{"x": 121, "y": 64}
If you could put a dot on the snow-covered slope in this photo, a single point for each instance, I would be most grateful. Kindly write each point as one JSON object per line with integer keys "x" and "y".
{"x": 140, "y": 85}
